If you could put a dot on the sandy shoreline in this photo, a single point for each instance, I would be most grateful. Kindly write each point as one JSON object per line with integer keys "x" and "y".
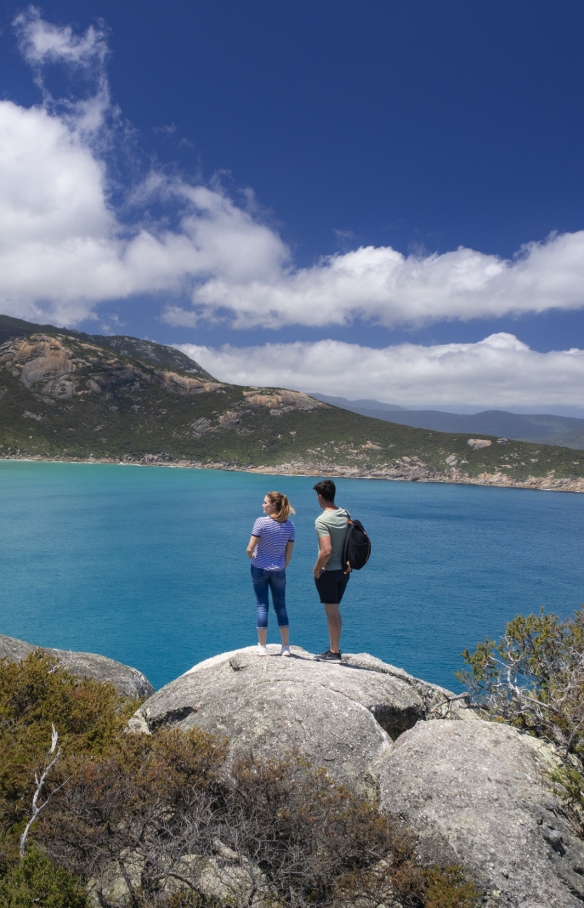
{"x": 413, "y": 474}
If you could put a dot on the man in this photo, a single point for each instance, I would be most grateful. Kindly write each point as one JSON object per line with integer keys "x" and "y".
{"x": 331, "y": 528}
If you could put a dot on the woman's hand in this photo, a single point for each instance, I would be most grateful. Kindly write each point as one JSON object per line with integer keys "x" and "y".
{"x": 253, "y": 541}
{"x": 289, "y": 547}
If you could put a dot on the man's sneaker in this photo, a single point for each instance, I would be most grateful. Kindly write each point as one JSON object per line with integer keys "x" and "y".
{"x": 261, "y": 650}
{"x": 329, "y": 656}
{"x": 285, "y": 651}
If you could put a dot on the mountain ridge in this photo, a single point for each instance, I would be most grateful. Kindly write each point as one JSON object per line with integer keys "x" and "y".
{"x": 542, "y": 428}
{"x": 71, "y": 396}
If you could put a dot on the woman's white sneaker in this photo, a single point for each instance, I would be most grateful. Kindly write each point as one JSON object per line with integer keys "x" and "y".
{"x": 261, "y": 650}
{"x": 285, "y": 651}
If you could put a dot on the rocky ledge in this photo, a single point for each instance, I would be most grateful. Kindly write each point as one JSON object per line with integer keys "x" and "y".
{"x": 474, "y": 792}
{"x": 128, "y": 681}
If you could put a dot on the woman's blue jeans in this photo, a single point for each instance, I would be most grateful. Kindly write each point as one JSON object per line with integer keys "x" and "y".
{"x": 263, "y": 581}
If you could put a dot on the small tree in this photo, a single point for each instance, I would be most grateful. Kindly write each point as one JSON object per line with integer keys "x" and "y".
{"x": 533, "y": 678}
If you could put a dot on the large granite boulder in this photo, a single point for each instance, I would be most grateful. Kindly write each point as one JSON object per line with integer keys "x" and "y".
{"x": 479, "y": 794}
{"x": 475, "y": 793}
{"x": 344, "y": 717}
{"x": 128, "y": 681}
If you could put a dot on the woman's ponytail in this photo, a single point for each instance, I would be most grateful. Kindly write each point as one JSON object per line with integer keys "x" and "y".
{"x": 283, "y": 506}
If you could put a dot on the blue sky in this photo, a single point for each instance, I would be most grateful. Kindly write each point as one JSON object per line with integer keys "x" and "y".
{"x": 380, "y": 199}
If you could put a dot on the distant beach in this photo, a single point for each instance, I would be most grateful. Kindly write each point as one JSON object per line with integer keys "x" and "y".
{"x": 453, "y": 477}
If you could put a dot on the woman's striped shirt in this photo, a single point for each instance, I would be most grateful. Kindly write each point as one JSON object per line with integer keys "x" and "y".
{"x": 270, "y": 552}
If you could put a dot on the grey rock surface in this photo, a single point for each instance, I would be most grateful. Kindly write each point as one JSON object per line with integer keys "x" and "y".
{"x": 343, "y": 717}
{"x": 477, "y": 794}
{"x": 128, "y": 681}
{"x": 474, "y": 793}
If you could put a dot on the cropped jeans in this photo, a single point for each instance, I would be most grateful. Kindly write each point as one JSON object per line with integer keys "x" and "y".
{"x": 263, "y": 581}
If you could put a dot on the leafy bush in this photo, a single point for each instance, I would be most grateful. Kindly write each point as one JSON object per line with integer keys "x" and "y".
{"x": 36, "y": 883}
{"x": 160, "y": 818}
{"x": 446, "y": 887}
{"x": 35, "y": 694}
{"x": 137, "y": 811}
{"x": 314, "y": 840}
{"x": 533, "y": 678}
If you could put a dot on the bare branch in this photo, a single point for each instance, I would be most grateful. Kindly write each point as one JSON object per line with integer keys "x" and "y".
{"x": 40, "y": 784}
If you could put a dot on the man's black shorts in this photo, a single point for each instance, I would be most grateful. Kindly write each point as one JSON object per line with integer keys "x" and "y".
{"x": 331, "y": 585}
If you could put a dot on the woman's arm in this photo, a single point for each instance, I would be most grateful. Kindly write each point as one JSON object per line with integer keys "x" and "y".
{"x": 253, "y": 541}
{"x": 289, "y": 547}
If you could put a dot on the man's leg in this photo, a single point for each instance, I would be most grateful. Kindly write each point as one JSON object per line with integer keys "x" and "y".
{"x": 335, "y": 625}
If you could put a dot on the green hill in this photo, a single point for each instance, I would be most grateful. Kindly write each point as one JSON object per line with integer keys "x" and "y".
{"x": 69, "y": 395}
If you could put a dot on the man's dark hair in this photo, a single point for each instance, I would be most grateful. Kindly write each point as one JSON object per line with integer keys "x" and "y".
{"x": 326, "y": 488}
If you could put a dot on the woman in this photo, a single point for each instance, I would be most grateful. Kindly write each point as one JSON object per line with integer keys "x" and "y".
{"x": 270, "y": 549}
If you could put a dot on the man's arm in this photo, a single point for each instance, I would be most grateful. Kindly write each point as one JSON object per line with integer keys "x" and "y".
{"x": 324, "y": 553}
{"x": 253, "y": 541}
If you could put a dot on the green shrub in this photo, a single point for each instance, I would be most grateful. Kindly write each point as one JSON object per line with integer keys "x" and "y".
{"x": 447, "y": 887}
{"x": 36, "y": 883}
{"x": 35, "y": 694}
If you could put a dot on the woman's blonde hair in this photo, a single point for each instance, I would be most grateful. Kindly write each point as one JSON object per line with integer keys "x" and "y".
{"x": 283, "y": 506}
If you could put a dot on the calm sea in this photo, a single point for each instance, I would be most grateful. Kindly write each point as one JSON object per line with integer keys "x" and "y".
{"x": 148, "y": 566}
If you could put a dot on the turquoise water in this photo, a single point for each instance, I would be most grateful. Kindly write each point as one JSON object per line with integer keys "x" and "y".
{"x": 148, "y": 566}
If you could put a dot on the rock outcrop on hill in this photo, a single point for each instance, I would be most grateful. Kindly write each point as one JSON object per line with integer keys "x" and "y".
{"x": 128, "y": 681}
{"x": 474, "y": 792}
{"x": 58, "y": 370}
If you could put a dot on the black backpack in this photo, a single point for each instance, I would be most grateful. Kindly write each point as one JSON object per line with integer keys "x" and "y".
{"x": 356, "y": 547}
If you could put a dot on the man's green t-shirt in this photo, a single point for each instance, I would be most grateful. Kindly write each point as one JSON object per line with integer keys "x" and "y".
{"x": 334, "y": 524}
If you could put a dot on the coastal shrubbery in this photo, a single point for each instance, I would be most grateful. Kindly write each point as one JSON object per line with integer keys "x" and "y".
{"x": 161, "y": 820}
{"x": 533, "y": 678}
{"x": 35, "y": 695}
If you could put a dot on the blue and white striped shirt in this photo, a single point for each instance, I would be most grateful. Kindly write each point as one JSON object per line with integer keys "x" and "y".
{"x": 270, "y": 552}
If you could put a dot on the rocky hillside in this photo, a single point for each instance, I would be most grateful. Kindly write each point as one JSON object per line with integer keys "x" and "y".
{"x": 73, "y": 396}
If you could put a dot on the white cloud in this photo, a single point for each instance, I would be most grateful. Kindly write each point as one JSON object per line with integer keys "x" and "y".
{"x": 64, "y": 248}
{"x": 380, "y": 285}
{"x": 499, "y": 371}
{"x": 40, "y": 42}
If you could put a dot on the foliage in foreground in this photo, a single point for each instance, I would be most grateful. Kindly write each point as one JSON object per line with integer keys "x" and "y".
{"x": 160, "y": 821}
{"x": 533, "y": 678}
{"x": 34, "y": 882}
{"x": 35, "y": 694}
